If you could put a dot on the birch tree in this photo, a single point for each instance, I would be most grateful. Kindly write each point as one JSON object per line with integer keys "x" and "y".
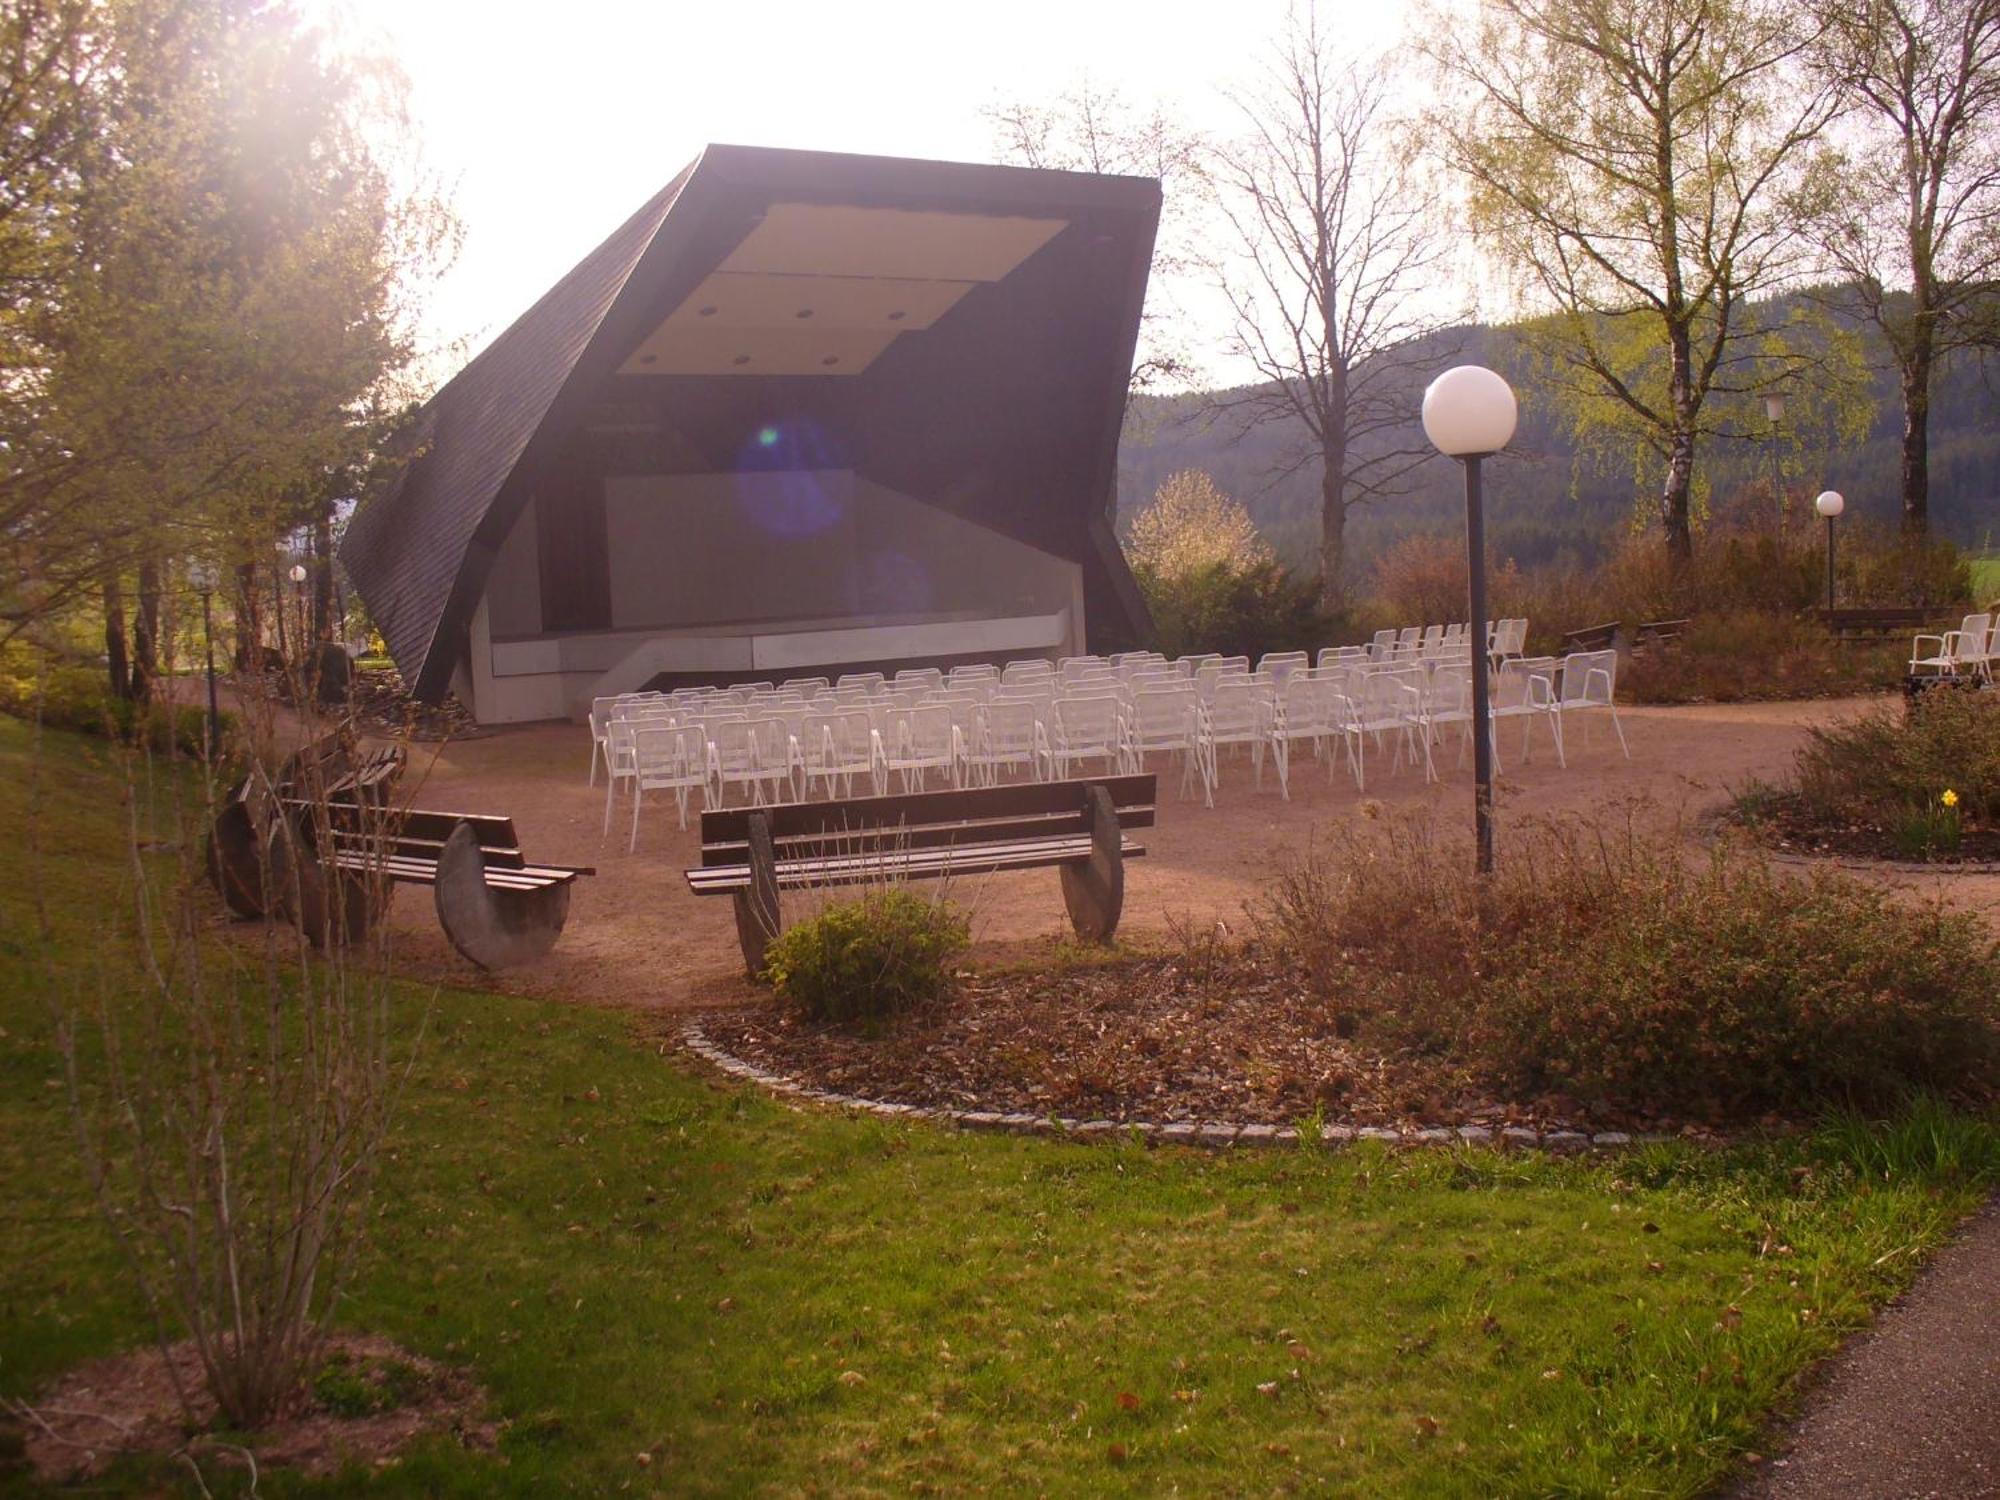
{"x": 1632, "y": 162}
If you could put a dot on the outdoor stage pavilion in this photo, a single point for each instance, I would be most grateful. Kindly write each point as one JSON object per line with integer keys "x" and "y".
{"x": 801, "y": 414}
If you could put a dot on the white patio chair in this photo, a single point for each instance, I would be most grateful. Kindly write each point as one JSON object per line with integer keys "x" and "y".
{"x": 667, "y": 758}
{"x": 1589, "y": 681}
{"x": 1524, "y": 688}
{"x": 1279, "y": 665}
{"x": 1240, "y": 712}
{"x": 973, "y": 672}
{"x": 1006, "y": 736}
{"x": 922, "y": 740}
{"x": 1381, "y": 645}
{"x": 1302, "y": 716}
{"x": 1082, "y": 729}
{"x": 834, "y": 748}
{"x": 757, "y": 754}
{"x": 1388, "y": 704}
{"x": 1168, "y": 720}
{"x": 1340, "y": 656}
{"x": 1215, "y": 669}
{"x": 1968, "y": 648}
{"x": 1027, "y": 671}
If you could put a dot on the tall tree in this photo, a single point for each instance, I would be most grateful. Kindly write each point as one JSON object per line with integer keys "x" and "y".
{"x": 1912, "y": 222}
{"x": 1630, "y": 161}
{"x": 1334, "y": 241}
{"x": 236, "y": 315}
{"x": 1091, "y": 128}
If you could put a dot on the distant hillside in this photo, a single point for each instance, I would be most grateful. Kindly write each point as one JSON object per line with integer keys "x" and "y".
{"x": 1542, "y": 501}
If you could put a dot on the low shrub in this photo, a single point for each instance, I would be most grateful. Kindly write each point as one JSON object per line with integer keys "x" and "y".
{"x": 1746, "y": 654}
{"x": 1238, "y": 611}
{"x": 76, "y": 697}
{"x": 1886, "y": 764}
{"x": 1603, "y": 967}
{"x": 868, "y": 959}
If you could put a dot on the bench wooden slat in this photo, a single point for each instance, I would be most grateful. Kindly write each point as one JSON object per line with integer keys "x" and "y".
{"x": 925, "y": 835}
{"x": 918, "y": 809}
{"x": 984, "y": 860}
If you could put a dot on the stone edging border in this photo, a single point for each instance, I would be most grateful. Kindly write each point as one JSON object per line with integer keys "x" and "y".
{"x": 1172, "y": 1133}
{"x": 1881, "y": 866}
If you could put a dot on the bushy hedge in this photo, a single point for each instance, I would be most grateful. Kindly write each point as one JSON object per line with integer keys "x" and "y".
{"x": 1237, "y": 611}
{"x": 77, "y": 697}
{"x": 1606, "y": 968}
{"x": 1883, "y": 764}
{"x": 868, "y": 959}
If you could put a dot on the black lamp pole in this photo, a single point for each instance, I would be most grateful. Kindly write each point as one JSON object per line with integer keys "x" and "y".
{"x": 1482, "y": 742}
{"x": 208, "y": 644}
{"x": 1829, "y": 560}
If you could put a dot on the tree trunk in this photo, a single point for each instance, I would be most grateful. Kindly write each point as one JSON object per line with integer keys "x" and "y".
{"x": 1680, "y": 450}
{"x": 322, "y": 549}
{"x": 1917, "y": 438}
{"x": 114, "y": 635}
{"x": 146, "y": 631}
{"x": 1333, "y": 541}
{"x": 249, "y": 620}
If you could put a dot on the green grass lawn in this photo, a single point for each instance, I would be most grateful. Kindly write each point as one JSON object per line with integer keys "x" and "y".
{"x": 633, "y": 1257}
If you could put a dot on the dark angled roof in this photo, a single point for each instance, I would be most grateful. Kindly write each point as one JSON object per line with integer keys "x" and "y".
{"x": 1008, "y": 412}
{"x": 405, "y": 548}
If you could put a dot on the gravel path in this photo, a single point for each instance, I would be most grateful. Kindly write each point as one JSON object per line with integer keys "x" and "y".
{"x": 1910, "y": 1410}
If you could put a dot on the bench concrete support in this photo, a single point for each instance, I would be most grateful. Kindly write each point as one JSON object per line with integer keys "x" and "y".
{"x": 331, "y": 907}
{"x": 496, "y": 929}
{"x": 1094, "y": 889}
{"x": 235, "y": 857}
{"x": 757, "y": 905}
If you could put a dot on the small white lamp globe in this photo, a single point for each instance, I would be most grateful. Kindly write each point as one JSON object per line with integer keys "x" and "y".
{"x": 205, "y": 576}
{"x": 1469, "y": 410}
{"x": 1830, "y": 503}
{"x": 298, "y": 573}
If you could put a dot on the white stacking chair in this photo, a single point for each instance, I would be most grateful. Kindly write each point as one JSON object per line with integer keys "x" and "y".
{"x": 1301, "y": 717}
{"x": 1333, "y": 658}
{"x": 1447, "y": 701}
{"x": 1029, "y": 670}
{"x": 1968, "y": 648}
{"x": 870, "y": 681}
{"x": 1524, "y": 688}
{"x": 1388, "y": 703}
{"x": 666, "y": 758}
{"x": 834, "y": 748}
{"x": 757, "y": 754}
{"x": 1279, "y": 665}
{"x": 919, "y": 677}
{"x": 1083, "y": 728}
{"x": 1212, "y": 671}
{"x": 921, "y": 740}
{"x": 1589, "y": 681}
{"x": 1168, "y": 719}
{"x": 1238, "y": 713}
{"x": 1006, "y": 736}
{"x": 601, "y": 710}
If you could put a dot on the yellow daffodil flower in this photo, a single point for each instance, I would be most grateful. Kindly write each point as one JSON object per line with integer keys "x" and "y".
{"x": 1950, "y": 798}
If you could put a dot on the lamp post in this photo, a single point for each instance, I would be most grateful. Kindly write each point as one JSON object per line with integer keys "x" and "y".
{"x": 1829, "y": 504}
{"x": 204, "y": 577}
{"x": 1774, "y": 412}
{"x": 1469, "y": 415}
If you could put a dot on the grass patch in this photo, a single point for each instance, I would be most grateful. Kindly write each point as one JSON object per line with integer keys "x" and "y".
{"x": 635, "y": 1259}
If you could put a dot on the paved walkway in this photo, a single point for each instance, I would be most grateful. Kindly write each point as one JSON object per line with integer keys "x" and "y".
{"x": 1911, "y": 1408}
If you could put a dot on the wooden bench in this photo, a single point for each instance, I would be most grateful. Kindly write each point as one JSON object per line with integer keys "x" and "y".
{"x": 751, "y": 854}
{"x": 1877, "y": 624}
{"x": 1591, "y": 638}
{"x": 1658, "y": 633}
{"x": 498, "y": 909}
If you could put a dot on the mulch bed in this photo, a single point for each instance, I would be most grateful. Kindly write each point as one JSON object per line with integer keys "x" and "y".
{"x": 126, "y": 1404}
{"x": 1783, "y": 823}
{"x": 1236, "y": 1039}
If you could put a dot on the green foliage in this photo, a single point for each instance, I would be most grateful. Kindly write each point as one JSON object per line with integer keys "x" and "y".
{"x": 1599, "y": 964}
{"x": 868, "y": 959}
{"x": 1891, "y": 764}
{"x": 632, "y": 1259}
{"x": 350, "y": 1388}
{"x": 1235, "y": 611}
{"x": 76, "y": 697}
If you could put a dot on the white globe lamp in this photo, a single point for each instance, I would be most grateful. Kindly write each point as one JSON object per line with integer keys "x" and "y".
{"x": 1830, "y": 503}
{"x": 1469, "y": 414}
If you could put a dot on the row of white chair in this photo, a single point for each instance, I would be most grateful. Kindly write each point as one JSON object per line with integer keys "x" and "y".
{"x": 1969, "y": 650}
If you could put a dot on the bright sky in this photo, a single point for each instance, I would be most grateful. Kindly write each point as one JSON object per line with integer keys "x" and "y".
{"x": 554, "y": 121}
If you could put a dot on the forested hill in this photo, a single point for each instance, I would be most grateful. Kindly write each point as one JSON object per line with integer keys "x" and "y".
{"x": 1544, "y": 500}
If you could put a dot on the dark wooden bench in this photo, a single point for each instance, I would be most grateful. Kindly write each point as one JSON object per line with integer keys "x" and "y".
{"x": 1658, "y": 633}
{"x": 1591, "y": 638}
{"x": 497, "y": 908}
{"x": 1876, "y": 624}
{"x": 752, "y": 854}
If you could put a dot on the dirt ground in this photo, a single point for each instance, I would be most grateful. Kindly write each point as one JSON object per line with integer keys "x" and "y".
{"x": 638, "y": 938}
